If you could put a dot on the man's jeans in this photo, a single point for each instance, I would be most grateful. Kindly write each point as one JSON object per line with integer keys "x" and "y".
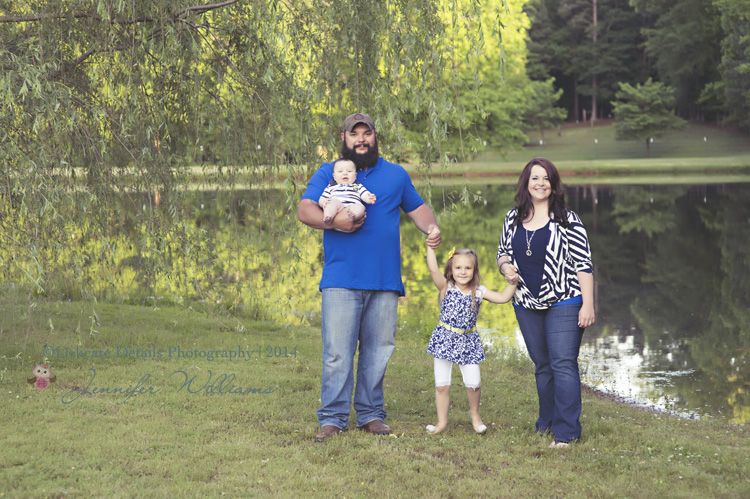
{"x": 553, "y": 339}
{"x": 350, "y": 316}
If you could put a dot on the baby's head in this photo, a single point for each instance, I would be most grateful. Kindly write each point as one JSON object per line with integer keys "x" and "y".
{"x": 344, "y": 171}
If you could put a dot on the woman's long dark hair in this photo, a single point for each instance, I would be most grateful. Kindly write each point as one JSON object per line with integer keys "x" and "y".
{"x": 524, "y": 203}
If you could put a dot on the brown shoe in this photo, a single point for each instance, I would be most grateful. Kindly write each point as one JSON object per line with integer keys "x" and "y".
{"x": 377, "y": 427}
{"x": 327, "y": 431}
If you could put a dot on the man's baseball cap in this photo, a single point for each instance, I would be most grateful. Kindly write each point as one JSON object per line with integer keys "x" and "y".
{"x": 353, "y": 119}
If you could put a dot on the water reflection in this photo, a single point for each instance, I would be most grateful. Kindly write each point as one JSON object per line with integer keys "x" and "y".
{"x": 620, "y": 366}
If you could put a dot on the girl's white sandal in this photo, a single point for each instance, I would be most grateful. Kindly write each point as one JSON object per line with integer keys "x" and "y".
{"x": 558, "y": 445}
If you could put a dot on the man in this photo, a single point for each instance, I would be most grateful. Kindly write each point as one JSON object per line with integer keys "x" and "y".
{"x": 361, "y": 280}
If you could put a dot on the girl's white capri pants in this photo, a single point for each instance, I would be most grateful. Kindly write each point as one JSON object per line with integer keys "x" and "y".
{"x": 470, "y": 373}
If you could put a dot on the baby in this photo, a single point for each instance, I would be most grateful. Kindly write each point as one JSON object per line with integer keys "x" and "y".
{"x": 344, "y": 192}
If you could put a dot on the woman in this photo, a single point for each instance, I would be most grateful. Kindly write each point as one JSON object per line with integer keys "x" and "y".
{"x": 545, "y": 249}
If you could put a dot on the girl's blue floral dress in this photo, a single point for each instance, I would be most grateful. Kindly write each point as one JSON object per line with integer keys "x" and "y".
{"x": 456, "y": 311}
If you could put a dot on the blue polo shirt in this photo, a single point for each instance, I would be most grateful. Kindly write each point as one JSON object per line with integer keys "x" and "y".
{"x": 369, "y": 258}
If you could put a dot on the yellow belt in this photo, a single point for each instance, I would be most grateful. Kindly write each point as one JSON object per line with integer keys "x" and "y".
{"x": 455, "y": 329}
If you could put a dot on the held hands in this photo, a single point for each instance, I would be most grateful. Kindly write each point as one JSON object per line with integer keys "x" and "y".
{"x": 512, "y": 279}
{"x": 434, "y": 237}
{"x": 511, "y": 273}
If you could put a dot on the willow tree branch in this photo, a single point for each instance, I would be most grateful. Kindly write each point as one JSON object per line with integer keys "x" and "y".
{"x": 203, "y": 8}
{"x": 199, "y": 9}
{"x": 54, "y": 15}
{"x": 57, "y": 74}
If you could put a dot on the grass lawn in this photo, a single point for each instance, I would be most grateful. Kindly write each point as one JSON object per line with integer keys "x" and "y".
{"x": 172, "y": 432}
{"x": 586, "y": 154}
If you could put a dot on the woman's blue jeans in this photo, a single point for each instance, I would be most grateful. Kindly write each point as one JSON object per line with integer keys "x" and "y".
{"x": 350, "y": 317}
{"x": 553, "y": 339}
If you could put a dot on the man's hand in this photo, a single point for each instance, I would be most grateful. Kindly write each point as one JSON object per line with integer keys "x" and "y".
{"x": 434, "y": 237}
{"x": 343, "y": 223}
{"x": 310, "y": 214}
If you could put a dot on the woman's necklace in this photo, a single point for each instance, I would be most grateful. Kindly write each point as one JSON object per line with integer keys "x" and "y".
{"x": 528, "y": 241}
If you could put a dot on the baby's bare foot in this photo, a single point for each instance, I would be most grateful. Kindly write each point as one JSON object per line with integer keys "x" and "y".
{"x": 327, "y": 220}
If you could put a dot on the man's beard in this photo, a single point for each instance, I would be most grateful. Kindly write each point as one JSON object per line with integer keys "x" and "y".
{"x": 361, "y": 161}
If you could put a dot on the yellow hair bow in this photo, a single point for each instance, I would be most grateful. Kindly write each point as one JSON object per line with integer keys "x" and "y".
{"x": 450, "y": 253}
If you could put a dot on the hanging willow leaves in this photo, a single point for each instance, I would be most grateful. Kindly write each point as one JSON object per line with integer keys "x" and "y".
{"x": 116, "y": 111}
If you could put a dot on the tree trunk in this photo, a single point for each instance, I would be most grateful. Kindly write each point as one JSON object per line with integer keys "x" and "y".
{"x": 593, "y": 77}
{"x": 593, "y": 100}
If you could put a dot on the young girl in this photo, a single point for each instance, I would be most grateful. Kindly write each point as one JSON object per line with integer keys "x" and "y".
{"x": 455, "y": 339}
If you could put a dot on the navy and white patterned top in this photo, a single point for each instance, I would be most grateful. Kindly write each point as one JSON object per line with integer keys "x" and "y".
{"x": 567, "y": 253}
{"x": 456, "y": 311}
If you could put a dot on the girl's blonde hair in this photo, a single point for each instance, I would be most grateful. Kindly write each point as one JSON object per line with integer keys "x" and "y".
{"x": 448, "y": 273}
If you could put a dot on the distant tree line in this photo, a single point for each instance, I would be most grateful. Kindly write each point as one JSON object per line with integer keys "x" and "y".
{"x": 698, "y": 48}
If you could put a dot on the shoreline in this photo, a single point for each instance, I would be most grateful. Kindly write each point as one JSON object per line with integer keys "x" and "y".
{"x": 646, "y": 407}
